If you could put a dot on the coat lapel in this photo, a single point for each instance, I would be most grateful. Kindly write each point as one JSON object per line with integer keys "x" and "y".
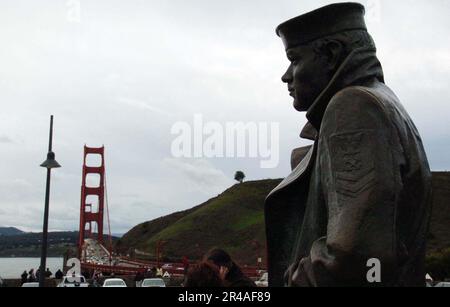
{"x": 297, "y": 173}
{"x": 284, "y": 211}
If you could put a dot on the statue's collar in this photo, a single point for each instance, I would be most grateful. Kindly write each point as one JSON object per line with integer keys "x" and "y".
{"x": 309, "y": 132}
{"x": 360, "y": 66}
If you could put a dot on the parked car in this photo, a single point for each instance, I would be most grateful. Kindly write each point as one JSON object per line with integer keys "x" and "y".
{"x": 443, "y": 285}
{"x": 263, "y": 281}
{"x": 114, "y": 283}
{"x": 153, "y": 282}
{"x": 77, "y": 281}
{"x": 167, "y": 266}
{"x": 30, "y": 285}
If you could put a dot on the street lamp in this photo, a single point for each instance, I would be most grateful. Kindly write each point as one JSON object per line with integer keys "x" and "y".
{"x": 48, "y": 164}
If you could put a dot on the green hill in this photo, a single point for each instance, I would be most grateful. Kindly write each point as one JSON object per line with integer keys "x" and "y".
{"x": 10, "y": 231}
{"x": 234, "y": 221}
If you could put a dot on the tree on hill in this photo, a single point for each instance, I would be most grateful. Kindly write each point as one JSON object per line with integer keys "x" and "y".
{"x": 239, "y": 176}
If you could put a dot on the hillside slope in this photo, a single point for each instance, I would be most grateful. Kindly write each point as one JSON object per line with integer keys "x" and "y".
{"x": 134, "y": 237}
{"x": 10, "y": 231}
{"x": 235, "y": 221}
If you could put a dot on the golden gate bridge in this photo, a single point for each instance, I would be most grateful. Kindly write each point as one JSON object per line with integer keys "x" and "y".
{"x": 94, "y": 252}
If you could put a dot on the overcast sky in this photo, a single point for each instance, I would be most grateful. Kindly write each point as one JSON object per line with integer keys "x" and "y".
{"x": 122, "y": 73}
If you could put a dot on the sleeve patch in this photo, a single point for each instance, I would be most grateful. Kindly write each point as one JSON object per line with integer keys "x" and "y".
{"x": 353, "y": 165}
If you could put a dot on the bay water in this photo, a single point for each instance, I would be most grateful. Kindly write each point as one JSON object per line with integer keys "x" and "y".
{"x": 12, "y": 268}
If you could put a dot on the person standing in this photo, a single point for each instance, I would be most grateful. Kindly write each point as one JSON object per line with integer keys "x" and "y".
{"x": 138, "y": 279}
{"x": 59, "y": 274}
{"x": 203, "y": 275}
{"x": 31, "y": 276}
{"x": 229, "y": 271}
{"x": 24, "y": 277}
{"x": 48, "y": 273}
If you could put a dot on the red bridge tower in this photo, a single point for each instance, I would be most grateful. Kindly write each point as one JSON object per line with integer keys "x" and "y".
{"x": 87, "y": 215}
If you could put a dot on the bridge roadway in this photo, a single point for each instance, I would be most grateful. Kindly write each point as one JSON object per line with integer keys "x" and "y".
{"x": 95, "y": 257}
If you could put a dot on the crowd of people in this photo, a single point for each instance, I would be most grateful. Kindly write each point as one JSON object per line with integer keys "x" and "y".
{"x": 215, "y": 269}
{"x": 33, "y": 276}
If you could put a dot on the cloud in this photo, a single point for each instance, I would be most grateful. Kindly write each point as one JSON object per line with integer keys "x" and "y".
{"x": 143, "y": 105}
{"x": 5, "y": 140}
{"x": 199, "y": 172}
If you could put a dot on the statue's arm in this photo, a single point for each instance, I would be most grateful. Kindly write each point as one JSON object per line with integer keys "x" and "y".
{"x": 359, "y": 179}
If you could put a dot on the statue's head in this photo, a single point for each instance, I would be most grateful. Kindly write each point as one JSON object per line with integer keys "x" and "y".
{"x": 316, "y": 44}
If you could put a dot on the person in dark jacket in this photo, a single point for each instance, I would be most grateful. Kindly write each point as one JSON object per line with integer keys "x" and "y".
{"x": 24, "y": 277}
{"x": 229, "y": 271}
{"x": 59, "y": 274}
{"x": 150, "y": 273}
{"x": 31, "y": 276}
{"x": 48, "y": 273}
{"x": 203, "y": 275}
{"x": 139, "y": 278}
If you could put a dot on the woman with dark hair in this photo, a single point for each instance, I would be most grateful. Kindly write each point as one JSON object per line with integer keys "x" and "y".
{"x": 229, "y": 271}
{"x": 203, "y": 275}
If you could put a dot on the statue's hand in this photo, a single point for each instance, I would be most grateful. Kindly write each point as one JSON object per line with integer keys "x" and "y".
{"x": 297, "y": 275}
{"x": 288, "y": 274}
{"x": 292, "y": 273}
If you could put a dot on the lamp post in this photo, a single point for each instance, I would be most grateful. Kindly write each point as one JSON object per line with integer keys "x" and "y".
{"x": 48, "y": 164}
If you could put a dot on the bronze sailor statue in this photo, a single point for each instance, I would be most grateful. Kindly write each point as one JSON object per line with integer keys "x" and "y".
{"x": 363, "y": 190}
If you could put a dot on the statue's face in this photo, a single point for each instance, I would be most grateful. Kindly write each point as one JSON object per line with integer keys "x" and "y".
{"x": 306, "y": 77}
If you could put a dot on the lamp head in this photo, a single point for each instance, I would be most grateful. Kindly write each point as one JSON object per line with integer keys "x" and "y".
{"x": 50, "y": 162}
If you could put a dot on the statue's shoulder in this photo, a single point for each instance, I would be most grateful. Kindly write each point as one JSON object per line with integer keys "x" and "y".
{"x": 362, "y": 94}
{"x": 360, "y": 97}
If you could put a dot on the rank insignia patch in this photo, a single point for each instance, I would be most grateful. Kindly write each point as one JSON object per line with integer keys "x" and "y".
{"x": 352, "y": 162}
